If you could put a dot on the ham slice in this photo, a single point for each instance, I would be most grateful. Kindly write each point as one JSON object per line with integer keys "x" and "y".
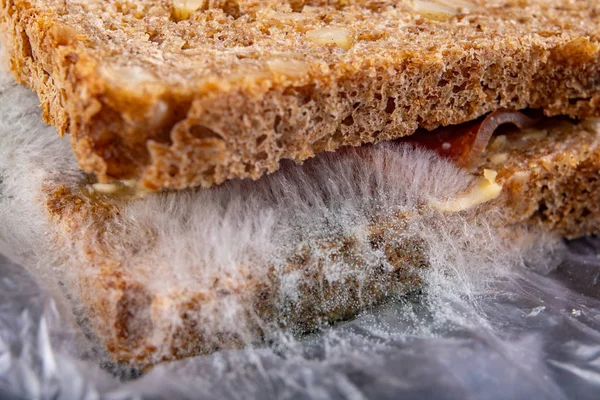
{"x": 465, "y": 142}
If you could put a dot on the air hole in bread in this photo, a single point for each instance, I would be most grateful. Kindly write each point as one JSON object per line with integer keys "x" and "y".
{"x": 203, "y": 132}
{"x": 173, "y": 170}
{"x": 576, "y": 100}
{"x": 297, "y": 5}
{"x": 26, "y": 45}
{"x": 459, "y": 88}
{"x": 232, "y": 8}
{"x": 542, "y": 210}
{"x": 260, "y": 140}
{"x": 348, "y": 121}
{"x": 277, "y": 123}
{"x": 153, "y": 36}
{"x": 391, "y": 105}
{"x": 209, "y": 172}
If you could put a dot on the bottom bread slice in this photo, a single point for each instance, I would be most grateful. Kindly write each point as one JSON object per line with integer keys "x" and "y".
{"x": 178, "y": 274}
{"x": 175, "y": 274}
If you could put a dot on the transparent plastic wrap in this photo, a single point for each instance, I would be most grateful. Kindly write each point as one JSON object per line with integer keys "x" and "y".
{"x": 536, "y": 335}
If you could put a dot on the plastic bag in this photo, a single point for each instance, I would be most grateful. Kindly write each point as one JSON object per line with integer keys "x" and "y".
{"x": 534, "y": 336}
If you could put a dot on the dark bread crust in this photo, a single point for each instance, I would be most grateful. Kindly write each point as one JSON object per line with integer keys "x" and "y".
{"x": 237, "y": 87}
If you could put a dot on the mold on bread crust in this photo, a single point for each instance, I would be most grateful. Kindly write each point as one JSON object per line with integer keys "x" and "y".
{"x": 228, "y": 88}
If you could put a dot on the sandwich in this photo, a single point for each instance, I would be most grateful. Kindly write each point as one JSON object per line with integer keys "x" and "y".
{"x": 178, "y": 221}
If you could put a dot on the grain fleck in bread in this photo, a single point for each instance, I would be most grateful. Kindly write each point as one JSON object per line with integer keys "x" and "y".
{"x": 232, "y": 87}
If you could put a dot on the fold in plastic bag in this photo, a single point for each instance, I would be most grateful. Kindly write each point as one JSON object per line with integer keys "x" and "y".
{"x": 536, "y": 335}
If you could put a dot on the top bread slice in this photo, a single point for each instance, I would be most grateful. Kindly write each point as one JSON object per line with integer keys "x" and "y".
{"x": 176, "y": 93}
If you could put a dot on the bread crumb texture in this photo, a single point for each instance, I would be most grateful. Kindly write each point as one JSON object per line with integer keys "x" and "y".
{"x": 181, "y": 93}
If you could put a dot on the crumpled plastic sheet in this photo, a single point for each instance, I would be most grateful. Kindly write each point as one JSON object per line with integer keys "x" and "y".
{"x": 536, "y": 336}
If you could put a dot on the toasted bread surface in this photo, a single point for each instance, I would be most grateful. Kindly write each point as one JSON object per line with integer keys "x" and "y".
{"x": 179, "y": 94}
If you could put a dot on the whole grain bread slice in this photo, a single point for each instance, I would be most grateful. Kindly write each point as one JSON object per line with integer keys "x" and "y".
{"x": 184, "y": 93}
{"x": 186, "y": 273}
